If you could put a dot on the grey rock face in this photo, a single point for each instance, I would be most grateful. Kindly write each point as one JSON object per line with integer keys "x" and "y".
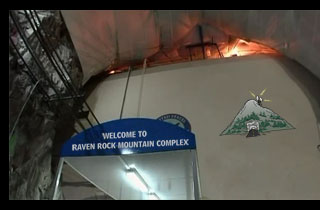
{"x": 31, "y": 171}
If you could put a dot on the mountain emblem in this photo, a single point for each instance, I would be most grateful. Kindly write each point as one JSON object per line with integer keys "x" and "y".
{"x": 254, "y": 119}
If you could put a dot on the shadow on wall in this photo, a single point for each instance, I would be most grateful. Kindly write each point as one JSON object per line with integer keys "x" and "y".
{"x": 308, "y": 82}
{"x": 93, "y": 82}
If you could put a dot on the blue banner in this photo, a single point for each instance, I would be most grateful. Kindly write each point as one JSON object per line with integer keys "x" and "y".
{"x": 129, "y": 136}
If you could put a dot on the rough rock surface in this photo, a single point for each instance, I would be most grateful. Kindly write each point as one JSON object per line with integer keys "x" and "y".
{"x": 31, "y": 171}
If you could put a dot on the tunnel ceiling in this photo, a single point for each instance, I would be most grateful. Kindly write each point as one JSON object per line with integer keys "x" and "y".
{"x": 109, "y": 39}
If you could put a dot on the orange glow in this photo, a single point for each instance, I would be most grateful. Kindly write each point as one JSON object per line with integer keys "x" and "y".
{"x": 229, "y": 48}
{"x": 208, "y": 53}
{"x": 233, "y": 52}
{"x": 243, "y": 41}
{"x": 243, "y": 48}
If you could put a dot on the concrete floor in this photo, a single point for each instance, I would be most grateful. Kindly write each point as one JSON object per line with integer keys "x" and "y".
{"x": 278, "y": 165}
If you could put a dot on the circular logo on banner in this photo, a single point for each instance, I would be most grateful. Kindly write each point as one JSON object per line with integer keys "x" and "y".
{"x": 176, "y": 119}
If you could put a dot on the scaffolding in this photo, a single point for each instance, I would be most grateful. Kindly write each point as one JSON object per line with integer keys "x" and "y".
{"x": 31, "y": 43}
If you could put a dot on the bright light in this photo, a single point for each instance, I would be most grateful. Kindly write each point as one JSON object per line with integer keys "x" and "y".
{"x": 243, "y": 41}
{"x": 153, "y": 196}
{"x": 126, "y": 152}
{"x": 234, "y": 52}
{"x": 137, "y": 180}
{"x": 243, "y": 48}
{"x": 112, "y": 72}
{"x": 132, "y": 166}
{"x": 208, "y": 53}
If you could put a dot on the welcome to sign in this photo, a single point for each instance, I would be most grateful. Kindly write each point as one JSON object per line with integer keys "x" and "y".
{"x": 129, "y": 136}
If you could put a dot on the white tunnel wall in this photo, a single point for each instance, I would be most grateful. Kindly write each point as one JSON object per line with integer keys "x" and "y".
{"x": 103, "y": 38}
{"x": 108, "y": 173}
{"x": 278, "y": 165}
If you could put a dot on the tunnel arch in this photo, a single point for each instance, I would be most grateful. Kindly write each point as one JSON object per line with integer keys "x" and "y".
{"x": 106, "y": 39}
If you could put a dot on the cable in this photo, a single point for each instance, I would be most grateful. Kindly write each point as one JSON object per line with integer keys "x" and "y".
{"x": 34, "y": 79}
{"x": 39, "y": 63}
{"x": 25, "y": 103}
{"x": 62, "y": 64}
{"x": 125, "y": 92}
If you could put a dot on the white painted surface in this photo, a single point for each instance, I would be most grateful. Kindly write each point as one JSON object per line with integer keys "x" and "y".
{"x": 168, "y": 174}
{"x": 279, "y": 165}
{"x": 75, "y": 187}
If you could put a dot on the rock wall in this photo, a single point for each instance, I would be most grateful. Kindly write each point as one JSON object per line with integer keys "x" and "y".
{"x": 31, "y": 165}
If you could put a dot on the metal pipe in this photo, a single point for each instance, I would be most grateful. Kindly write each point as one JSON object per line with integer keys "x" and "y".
{"x": 41, "y": 68}
{"x": 31, "y": 51}
{"x": 141, "y": 87}
{"x": 201, "y": 40}
{"x": 57, "y": 179}
{"x": 190, "y": 55}
{"x": 53, "y": 62}
{"x": 47, "y": 52}
{"x": 121, "y": 112}
{"x": 125, "y": 92}
{"x": 38, "y": 62}
{"x": 90, "y": 110}
{"x": 24, "y": 105}
{"x": 30, "y": 73}
{"x": 65, "y": 69}
{"x": 221, "y": 55}
{"x": 50, "y": 45}
{"x": 66, "y": 98}
{"x": 34, "y": 79}
{"x": 196, "y": 179}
